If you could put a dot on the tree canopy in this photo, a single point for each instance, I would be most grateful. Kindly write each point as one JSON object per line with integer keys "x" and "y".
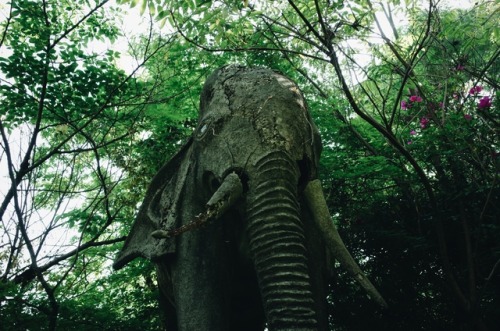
{"x": 405, "y": 95}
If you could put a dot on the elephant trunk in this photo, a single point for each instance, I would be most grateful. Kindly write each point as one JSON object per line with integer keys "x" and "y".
{"x": 277, "y": 244}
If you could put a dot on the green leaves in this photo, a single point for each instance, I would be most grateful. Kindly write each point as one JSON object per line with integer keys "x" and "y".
{"x": 98, "y": 136}
{"x": 61, "y": 112}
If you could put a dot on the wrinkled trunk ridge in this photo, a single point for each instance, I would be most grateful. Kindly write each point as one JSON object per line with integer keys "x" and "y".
{"x": 276, "y": 239}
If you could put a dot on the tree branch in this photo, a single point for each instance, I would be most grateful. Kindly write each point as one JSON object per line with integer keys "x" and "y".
{"x": 28, "y": 275}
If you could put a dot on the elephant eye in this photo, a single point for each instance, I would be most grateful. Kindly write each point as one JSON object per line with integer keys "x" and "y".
{"x": 203, "y": 129}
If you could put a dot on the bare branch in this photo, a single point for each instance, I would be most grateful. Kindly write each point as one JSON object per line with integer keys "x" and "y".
{"x": 28, "y": 275}
{"x": 241, "y": 49}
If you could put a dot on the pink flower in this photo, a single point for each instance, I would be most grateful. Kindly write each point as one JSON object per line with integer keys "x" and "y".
{"x": 456, "y": 96}
{"x": 416, "y": 98}
{"x": 404, "y": 105}
{"x": 460, "y": 67}
{"x": 424, "y": 122}
{"x": 475, "y": 90}
{"x": 485, "y": 102}
{"x": 413, "y": 132}
{"x": 409, "y": 142}
{"x": 468, "y": 117}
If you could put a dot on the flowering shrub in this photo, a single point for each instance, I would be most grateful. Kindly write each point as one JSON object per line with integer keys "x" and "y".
{"x": 475, "y": 90}
{"x": 416, "y": 98}
{"x": 485, "y": 102}
{"x": 422, "y": 115}
{"x": 424, "y": 122}
{"x": 404, "y": 105}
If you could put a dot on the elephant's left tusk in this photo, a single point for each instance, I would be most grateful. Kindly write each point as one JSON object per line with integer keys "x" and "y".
{"x": 316, "y": 201}
{"x": 226, "y": 195}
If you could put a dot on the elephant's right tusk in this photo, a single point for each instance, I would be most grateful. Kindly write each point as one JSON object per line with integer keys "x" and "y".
{"x": 226, "y": 195}
{"x": 316, "y": 201}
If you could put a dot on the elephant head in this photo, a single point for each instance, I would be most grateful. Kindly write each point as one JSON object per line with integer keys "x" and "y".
{"x": 250, "y": 168}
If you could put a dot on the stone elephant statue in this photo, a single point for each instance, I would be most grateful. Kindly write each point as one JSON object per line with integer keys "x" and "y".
{"x": 236, "y": 221}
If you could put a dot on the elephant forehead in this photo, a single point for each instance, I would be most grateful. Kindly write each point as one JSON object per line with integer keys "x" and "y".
{"x": 271, "y": 102}
{"x": 233, "y": 88}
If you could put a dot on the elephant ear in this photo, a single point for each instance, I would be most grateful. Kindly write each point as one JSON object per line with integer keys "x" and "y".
{"x": 159, "y": 210}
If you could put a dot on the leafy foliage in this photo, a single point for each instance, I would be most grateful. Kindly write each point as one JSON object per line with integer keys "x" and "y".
{"x": 64, "y": 109}
{"x": 409, "y": 165}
